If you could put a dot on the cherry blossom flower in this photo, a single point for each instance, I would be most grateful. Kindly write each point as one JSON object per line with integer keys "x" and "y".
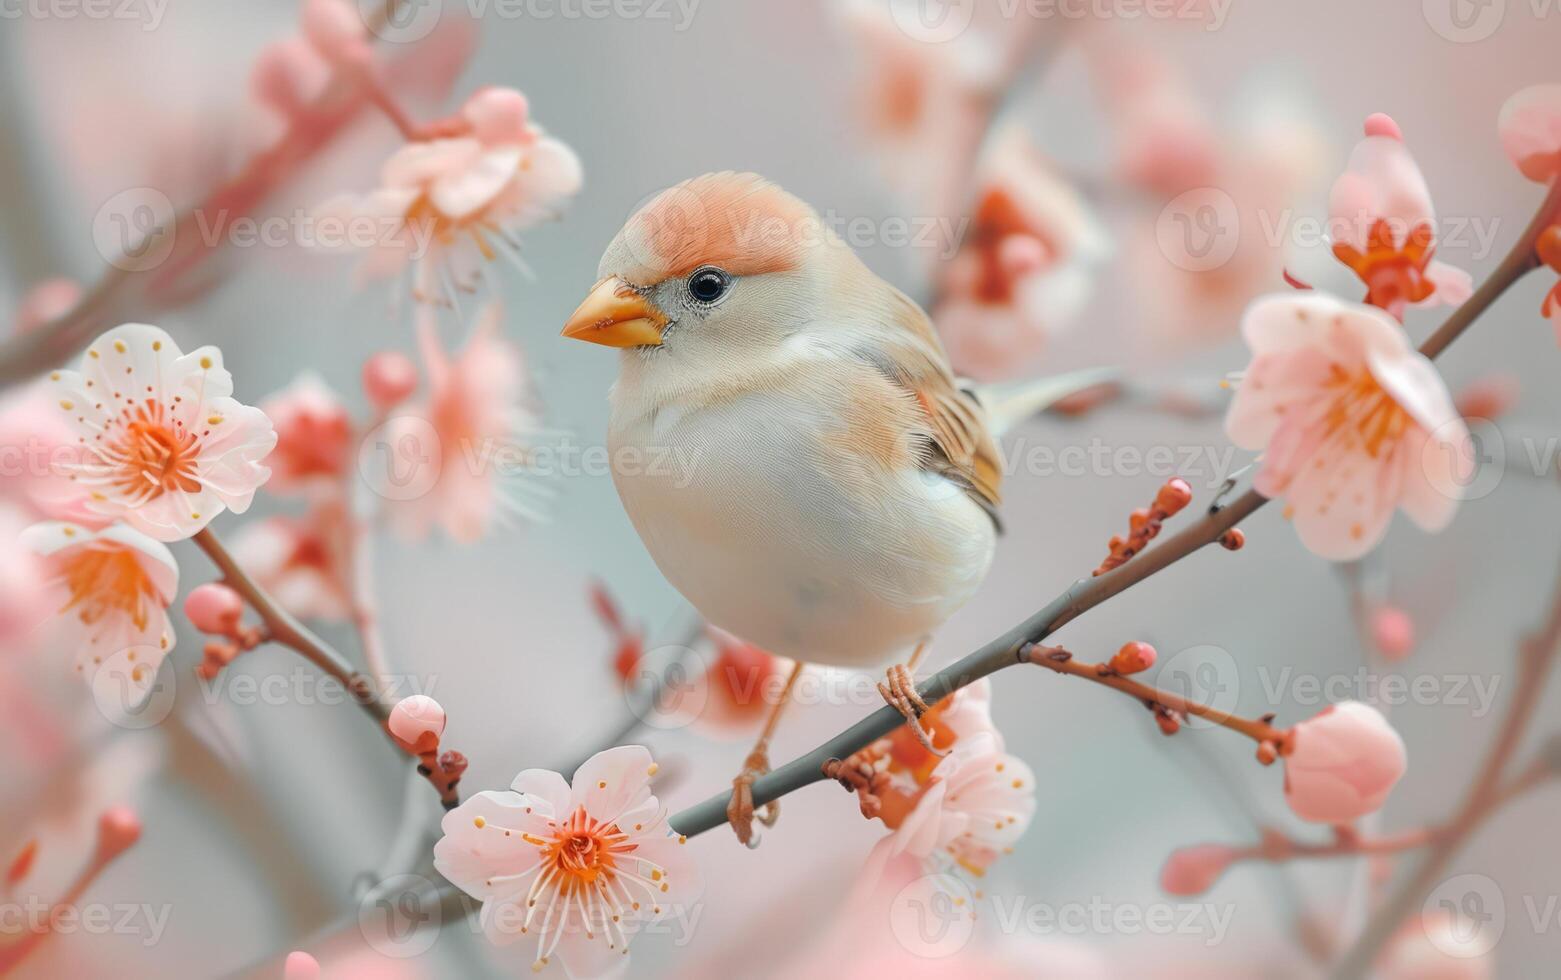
{"x": 112, "y": 589}
{"x": 1341, "y": 763}
{"x": 313, "y": 437}
{"x": 1353, "y": 420}
{"x": 1384, "y": 227}
{"x": 1025, "y": 269}
{"x": 1530, "y": 128}
{"x": 304, "y": 562}
{"x": 472, "y": 429}
{"x": 451, "y": 204}
{"x": 968, "y": 811}
{"x": 581, "y": 867}
{"x": 164, "y": 446}
{"x": 35, "y": 435}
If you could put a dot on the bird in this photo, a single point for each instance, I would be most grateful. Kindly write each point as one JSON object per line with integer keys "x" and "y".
{"x": 842, "y": 488}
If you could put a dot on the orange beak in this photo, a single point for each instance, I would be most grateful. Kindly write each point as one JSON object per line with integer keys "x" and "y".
{"x": 616, "y": 315}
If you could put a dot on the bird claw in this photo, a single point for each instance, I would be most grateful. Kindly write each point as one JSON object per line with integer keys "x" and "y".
{"x": 899, "y": 691}
{"x": 740, "y": 811}
{"x": 857, "y": 775}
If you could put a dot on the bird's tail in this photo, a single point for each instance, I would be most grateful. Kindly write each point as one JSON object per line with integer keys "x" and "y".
{"x": 1012, "y": 402}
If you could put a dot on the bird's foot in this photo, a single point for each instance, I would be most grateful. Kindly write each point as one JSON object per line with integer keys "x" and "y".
{"x": 740, "y": 811}
{"x": 858, "y": 775}
{"x": 899, "y": 690}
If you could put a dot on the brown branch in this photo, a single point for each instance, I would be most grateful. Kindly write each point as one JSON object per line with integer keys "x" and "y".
{"x": 1536, "y": 657}
{"x": 1061, "y": 661}
{"x": 1085, "y": 594}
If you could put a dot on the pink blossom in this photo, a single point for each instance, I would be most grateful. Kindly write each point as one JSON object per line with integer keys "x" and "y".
{"x": 1384, "y": 228}
{"x": 1530, "y": 127}
{"x": 1341, "y": 763}
{"x": 112, "y": 589}
{"x": 452, "y": 204}
{"x": 1024, "y": 269}
{"x": 732, "y": 696}
{"x": 164, "y": 445}
{"x": 303, "y": 562}
{"x": 976, "y": 803}
{"x": 581, "y": 867}
{"x": 1194, "y": 870}
{"x": 472, "y": 426}
{"x": 313, "y": 437}
{"x": 1353, "y": 422}
{"x": 37, "y": 436}
{"x": 336, "y": 30}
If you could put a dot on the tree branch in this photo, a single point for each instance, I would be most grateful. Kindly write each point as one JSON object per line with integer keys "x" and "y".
{"x": 1085, "y": 594}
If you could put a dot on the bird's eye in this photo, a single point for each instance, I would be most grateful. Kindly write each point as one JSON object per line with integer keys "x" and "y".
{"x": 709, "y": 284}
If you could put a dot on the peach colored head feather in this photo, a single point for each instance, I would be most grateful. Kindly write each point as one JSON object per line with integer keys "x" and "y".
{"x": 737, "y": 221}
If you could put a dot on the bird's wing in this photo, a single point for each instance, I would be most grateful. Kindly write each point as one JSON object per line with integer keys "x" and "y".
{"x": 906, "y": 349}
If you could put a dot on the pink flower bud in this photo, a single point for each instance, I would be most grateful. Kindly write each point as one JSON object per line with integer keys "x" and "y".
{"x": 416, "y": 724}
{"x": 214, "y": 608}
{"x": 335, "y": 30}
{"x": 1133, "y": 657}
{"x": 1530, "y": 129}
{"x": 389, "y": 378}
{"x": 300, "y": 966}
{"x": 1490, "y": 396}
{"x": 1194, "y": 870}
{"x": 1341, "y": 764}
{"x": 1392, "y": 632}
{"x": 47, "y": 301}
{"x": 498, "y": 116}
{"x": 1382, "y": 124}
{"x": 118, "y": 829}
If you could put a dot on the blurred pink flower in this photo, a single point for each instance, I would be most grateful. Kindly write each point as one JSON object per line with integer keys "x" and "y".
{"x": 1383, "y": 226}
{"x": 735, "y": 694}
{"x": 584, "y": 867}
{"x": 1530, "y": 128}
{"x": 164, "y": 445}
{"x": 35, "y": 440}
{"x": 1341, "y": 763}
{"x": 1194, "y": 870}
{"x": 1353, "y": 422}
{"x": 20, "y": 589}
{"x": 336, "y": 30}
{"x": 45, "y": 302}
{"x": 1023, "y": 271}
{"x": 112, "y": 589}
{"x": 451, "y": 204}
{"x": 1166, "y": 141}
{"x": 1392, "y": 632}
{"x": 313, "y": 438}
{"x": 471, "y": 429}
{"x": 304, "y": 562}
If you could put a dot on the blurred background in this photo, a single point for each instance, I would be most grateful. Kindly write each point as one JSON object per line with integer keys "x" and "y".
{"x": 263, "y": 822}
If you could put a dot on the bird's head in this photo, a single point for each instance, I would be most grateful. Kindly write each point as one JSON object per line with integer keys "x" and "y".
{"x": 723, "y": 265}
